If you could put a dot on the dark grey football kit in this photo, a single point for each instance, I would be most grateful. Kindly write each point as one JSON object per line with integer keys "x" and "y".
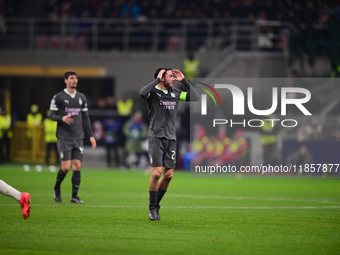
{"x": 70, "y": 136}
{"x": 162, "y": 111}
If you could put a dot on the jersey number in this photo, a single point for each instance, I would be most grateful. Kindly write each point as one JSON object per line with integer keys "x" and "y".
{"x": 173, "y": 154}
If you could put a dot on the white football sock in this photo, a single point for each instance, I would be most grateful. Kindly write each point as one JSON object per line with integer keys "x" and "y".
{"x": 9, "y": 190}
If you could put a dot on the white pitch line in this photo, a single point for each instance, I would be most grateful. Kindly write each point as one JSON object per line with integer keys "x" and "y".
{"x": 252, "y": 198}
{"x": 188, "y": 207}
{"x": 255, "y": 207}
{"x": 191, "y": 196}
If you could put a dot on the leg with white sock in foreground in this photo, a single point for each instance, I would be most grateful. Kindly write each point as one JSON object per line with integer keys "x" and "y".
{"x": 23, "y": 198}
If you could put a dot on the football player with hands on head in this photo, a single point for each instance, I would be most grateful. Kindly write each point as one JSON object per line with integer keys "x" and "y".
{"x": 162, "y": 102}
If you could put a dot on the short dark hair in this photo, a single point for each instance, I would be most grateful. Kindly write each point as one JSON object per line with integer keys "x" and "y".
{"x": 68, "y": 73}
{"x": 159, "y": 69}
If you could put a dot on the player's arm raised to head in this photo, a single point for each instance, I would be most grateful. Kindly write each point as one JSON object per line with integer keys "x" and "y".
{"x": 144, "y": 92}
{"x": 191, "y": 95}
{"x": 54, "y": 107}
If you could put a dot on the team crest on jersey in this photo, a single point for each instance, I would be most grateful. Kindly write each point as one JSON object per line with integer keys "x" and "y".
{"x": 80, "y": 101}
{"x": 172, "y": 94}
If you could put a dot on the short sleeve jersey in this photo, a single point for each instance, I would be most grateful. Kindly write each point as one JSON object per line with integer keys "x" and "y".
{"x": 63, "y": 104}
{"x": 162, "y": 110}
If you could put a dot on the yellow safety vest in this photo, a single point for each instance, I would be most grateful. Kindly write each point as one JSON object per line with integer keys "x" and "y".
{"x": 5, "y": 125}
{"x": 125, "y": 108}
{"x": 50, "y": 128}
{"x": 268, "y": 138}
{"x": 190, "y": 68}
{"x": 33, "y": 121}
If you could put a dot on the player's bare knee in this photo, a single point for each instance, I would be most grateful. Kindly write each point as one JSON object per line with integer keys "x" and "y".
{"x": 168, "y": 176}
{"x": 76, "y": 167}
{"x": 65, "y": 167}
{"x": 156, "y": 175}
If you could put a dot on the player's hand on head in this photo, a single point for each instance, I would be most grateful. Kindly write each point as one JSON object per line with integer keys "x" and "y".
{"x": 67, "y": 119}
{"x": 160, "y": 74}
{"x": 178, "y": 74}
{"x": 93, "y": 142}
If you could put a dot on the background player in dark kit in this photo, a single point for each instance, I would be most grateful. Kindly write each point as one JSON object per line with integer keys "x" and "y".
{"x": 162, "y": 100}
{"x": 69, "y": 108}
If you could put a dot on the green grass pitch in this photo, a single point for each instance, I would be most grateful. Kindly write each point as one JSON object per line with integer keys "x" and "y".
{"x": 198, "y": 216}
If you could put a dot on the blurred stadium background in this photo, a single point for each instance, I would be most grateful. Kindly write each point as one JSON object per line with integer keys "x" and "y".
{"x": 115, "y": 47}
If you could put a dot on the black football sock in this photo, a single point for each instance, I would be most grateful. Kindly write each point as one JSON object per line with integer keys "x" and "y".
{"x": 160, "y": 195}
{"x": 153, "y": 197}
{"x": 75, "y": 183}
{"x": 60, "y": 177}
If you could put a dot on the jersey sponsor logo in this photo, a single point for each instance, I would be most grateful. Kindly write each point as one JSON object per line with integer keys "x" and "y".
{"x": 73, "y": 111}
{"x": 80, "y": 101}
{"x": 168, "y": 105}
{"x": 66, "y": 101}
{"x": 159, "y": 95}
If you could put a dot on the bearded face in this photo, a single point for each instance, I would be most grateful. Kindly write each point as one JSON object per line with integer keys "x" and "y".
{"x": 168, "y": 80}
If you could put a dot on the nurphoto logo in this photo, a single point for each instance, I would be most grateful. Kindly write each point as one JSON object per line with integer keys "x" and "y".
{"x": 239, "y": 102}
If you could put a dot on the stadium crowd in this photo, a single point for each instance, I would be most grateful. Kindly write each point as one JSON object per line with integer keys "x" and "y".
{"x": 293, "y": 11}
{"x": 315, "y": 26}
